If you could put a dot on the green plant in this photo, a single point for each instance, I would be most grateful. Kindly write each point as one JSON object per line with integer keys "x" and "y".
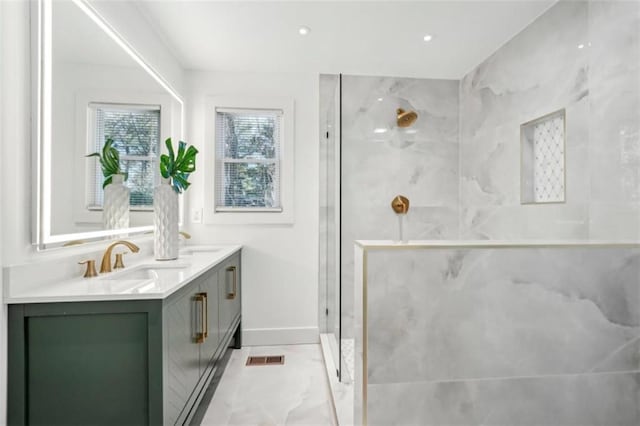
{"x": 178, "y": 167}
{"x": 109, "y": 162}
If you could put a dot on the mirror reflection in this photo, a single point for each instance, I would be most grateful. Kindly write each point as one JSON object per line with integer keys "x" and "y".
{"x": 99, "y": 93}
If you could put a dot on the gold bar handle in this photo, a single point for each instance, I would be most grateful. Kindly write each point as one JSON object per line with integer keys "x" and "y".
{"x": 206, "y": 315}
{"x": 233, "y": 269}
{"x": 200, "y": 336}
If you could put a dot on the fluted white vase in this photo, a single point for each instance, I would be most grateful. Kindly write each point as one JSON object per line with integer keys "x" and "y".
{"x": 115, "y": 207}
{"x": 165, "y": 208}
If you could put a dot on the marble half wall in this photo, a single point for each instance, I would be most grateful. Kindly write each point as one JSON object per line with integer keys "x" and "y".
{"x": 381, "y": 160}
{"x": 469, "y": 334}
{"x": 581, "y": 56}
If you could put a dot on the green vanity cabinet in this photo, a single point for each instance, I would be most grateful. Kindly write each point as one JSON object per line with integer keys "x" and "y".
{"x": 209, "y": 290}
{"x": 181, "y": 315}
{"x": 127, "y": 362}
{"x": 89, "y": 363}
{"x": 193, "y": 345}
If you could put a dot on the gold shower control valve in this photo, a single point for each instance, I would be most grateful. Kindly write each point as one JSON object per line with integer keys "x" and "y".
{"x": 400, "y": 204}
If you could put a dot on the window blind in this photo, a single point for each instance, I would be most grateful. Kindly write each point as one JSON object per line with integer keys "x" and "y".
{"x": 135, "y": 130}
{"x": 248, "y": 144}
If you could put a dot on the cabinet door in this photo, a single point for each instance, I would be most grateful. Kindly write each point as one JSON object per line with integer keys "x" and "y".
{"x": 85, "y": 363}
{"x": 182, "y": 324}
{"x": 209, "y": 289}
{"x": 229, "y": 286}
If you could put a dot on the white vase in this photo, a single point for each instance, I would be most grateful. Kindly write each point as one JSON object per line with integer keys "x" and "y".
{"x": 165, "y": 208}
{"x": 115, "y": 207}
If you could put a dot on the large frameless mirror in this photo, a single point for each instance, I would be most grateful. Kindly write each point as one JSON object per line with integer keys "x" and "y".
{"x": 93, "y": 87}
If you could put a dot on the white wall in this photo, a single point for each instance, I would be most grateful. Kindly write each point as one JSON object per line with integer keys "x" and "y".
{"x": 280, "y": 267}
{"x": 16, "y": 131}
{"x": 3, "y": 334}
{"x": 14, "y": 146}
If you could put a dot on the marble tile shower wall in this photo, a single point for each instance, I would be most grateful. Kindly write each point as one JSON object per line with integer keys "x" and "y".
{"x": 380, "y": 161}
{"x": 503, "y": 336}
{"x": 581, "y": 56}
{"x": 461, "y": 169}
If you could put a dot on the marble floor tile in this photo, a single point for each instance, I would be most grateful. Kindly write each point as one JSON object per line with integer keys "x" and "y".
{"x": 295, "y": 393}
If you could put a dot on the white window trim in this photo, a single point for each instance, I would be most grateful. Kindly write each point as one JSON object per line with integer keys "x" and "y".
{"x": 83, "y": 166}
{"x": 283, "y": 215}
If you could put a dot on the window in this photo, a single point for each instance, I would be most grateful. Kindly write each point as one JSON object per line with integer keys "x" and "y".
{"x": 135, "y": 130}
{"x": 248, "y": 160}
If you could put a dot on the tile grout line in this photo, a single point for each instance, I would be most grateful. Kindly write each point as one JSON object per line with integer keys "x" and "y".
{"x": 612, "y": 354}
{"x": 508, "y": 378}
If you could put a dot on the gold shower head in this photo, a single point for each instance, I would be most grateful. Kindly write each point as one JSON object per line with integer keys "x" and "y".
{"x": 406, "y": 118}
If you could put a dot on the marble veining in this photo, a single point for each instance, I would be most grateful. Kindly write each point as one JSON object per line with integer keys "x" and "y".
{"x": 581, "y": 400}
{"x": 420, "y": 162}
{"x": 295, "y": 393}
{"x": 518, "y": 335}
{"x": 582, "y": 56}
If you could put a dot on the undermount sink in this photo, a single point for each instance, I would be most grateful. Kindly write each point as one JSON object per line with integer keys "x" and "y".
{"x": 145, "y": 272}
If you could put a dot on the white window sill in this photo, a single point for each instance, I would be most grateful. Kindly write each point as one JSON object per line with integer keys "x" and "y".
{"x": 248, "y": 216}
{"x": 248, "y": 210}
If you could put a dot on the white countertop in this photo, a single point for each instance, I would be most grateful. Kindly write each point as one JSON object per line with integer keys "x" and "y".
{"x": 143, "y": 278}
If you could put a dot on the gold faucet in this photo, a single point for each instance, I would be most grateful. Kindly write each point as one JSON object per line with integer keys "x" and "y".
{"x": 186, "y": 235}
{"x": 105, "y": 266}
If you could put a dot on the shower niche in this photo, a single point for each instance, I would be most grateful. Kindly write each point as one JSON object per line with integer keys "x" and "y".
{"x": 542, "y": 168}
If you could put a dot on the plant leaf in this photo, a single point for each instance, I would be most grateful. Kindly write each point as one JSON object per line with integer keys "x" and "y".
{"x": 181, "y": 146}
{"x": 180, "y": 182}
{"x": 164, "y": 166}
{"x": 188, "y": 161}
{"x": 171, "y": 157}
{"x": 178, "y": 168}
{"x": 107, "y": 181}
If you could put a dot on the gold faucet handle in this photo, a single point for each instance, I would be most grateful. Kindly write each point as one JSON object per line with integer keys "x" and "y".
{"x": 185, "y": 235}
{"x": 119, "y": 263}
{"x": 91, "y": 268}
{"x": 400, "y": 204}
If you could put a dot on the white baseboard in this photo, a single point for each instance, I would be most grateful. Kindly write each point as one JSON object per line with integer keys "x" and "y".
{"x": 280, "y": 336}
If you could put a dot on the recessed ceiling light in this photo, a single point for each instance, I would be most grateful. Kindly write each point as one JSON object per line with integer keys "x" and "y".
{"x": 427, "y": 37}
{"x": 380, "y": 99}
{"x": 303, "y": 30}
{"x": 380, "y": 130}
{"x": 581, "y": 46}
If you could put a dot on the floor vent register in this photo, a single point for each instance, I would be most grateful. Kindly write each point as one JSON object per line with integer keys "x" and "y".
{"x": 266, "y": 360}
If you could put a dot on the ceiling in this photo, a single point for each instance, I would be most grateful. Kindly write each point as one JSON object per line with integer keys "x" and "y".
{"x": 366, "y": 38}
